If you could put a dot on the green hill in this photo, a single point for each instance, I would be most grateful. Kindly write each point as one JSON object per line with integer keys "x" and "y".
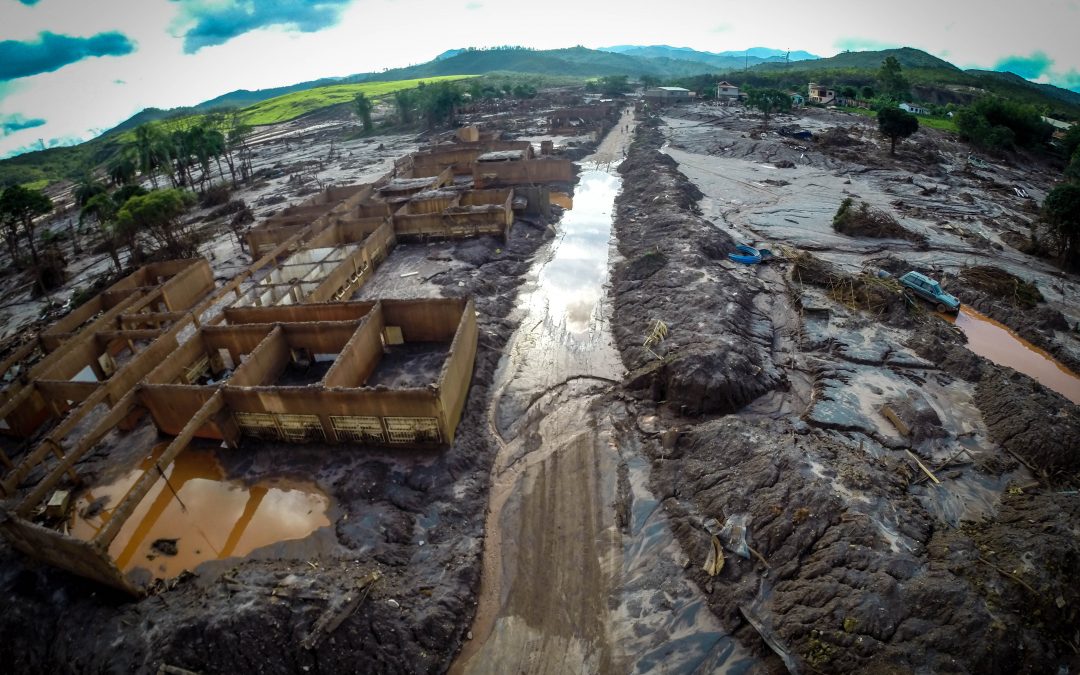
{"x": 574, "y": 61}
{"x": 724, "y": 60}
{"x": 909, "y": 58}
{"x": 932, "y": 79}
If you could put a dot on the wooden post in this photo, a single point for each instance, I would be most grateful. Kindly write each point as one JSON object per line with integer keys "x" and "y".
{"x": 118, "y": 412}
{"x": 131, "y": 501}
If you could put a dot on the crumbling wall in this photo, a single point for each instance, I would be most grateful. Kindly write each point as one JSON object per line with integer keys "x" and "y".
{"x": 66, "y": 552}
{"x": 547, "y": 170}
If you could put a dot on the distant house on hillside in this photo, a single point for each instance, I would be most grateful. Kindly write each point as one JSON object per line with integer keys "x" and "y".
{"x": 912, "y": 108}
{"x": 819, "y": 94}
{"x": 726, "y": 91}
{"x": 666, "y": 95}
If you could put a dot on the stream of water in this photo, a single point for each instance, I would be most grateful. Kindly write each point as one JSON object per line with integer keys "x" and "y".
{"x": 566, "y": 587}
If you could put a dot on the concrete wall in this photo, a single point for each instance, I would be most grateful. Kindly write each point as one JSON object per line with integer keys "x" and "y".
{"x": 547, "y": 170}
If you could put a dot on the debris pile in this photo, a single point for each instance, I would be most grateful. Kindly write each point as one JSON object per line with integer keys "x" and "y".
{"x": 865, "y": 221}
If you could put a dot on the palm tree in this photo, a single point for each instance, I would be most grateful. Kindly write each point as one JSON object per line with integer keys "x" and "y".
{"x": 123, "y": 167}
{"x": 153, "y": 150}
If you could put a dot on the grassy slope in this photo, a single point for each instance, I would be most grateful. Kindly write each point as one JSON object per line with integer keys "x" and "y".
{"x": 39, "y": 168}
{"x": 291, "y": 106}
{"x": 942, "y": 123}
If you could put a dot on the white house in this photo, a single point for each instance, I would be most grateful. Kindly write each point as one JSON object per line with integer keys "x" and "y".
{"x": 912, "y": 108}
{"x": 726, "y": 91}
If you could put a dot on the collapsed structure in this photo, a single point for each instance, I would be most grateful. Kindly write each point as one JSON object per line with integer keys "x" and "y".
{"x": 281, "y": 352}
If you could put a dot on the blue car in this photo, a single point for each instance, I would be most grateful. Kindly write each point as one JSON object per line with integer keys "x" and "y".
{"x": 931, "y": 291}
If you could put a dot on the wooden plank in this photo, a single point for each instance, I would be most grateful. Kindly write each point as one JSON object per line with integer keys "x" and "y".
{"x": 125, "y": 508}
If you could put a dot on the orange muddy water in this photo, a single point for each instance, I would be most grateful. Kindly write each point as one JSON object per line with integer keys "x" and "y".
{"x": 210, "y": 517}
{"x": 997, "y": 342}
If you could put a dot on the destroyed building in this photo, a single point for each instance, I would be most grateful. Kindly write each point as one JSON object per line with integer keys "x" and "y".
{"x": 282, "y": 352}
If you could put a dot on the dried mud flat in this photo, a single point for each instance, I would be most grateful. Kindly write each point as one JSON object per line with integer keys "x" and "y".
{"x": 848, "y": 560}
{"x": 415, "y": 517}
{"x": 754, "y": 420}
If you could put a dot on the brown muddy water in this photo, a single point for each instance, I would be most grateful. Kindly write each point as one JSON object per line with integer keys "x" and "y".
{"x": 998, "y": 343}
{"x": 210, "y": 517}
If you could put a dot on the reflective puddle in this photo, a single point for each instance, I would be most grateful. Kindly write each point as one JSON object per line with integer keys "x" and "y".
{"x": 197, "y": 515}
{"x": 571, "y": 284}
{"x": 997, "y": 342}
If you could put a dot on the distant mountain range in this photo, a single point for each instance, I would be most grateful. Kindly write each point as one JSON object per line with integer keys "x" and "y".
{"x": 729, "y": 59}
{"x": 933, "y": 79}
{"x": 661, "y": 61}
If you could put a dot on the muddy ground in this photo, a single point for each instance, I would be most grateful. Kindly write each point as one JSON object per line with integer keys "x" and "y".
{"x": 745, "y": 407}
{"x": 843, "y": 557}
{"x": 418, "y": 518}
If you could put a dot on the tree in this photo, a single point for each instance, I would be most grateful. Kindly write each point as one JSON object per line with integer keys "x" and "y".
{"x": 1071, "y": 141}
{"x": 867, "y": 92}
{"x": 237, "y": 133}
{"x": 891, "y": 78}
{"x": 20, "y": 206}
{"x": 768, "y": 101}
{"x": 86, "y": 189}
{"x": 438, "y": 102}
{"x": 523, "y": 90}
{"x": 153, "y": 150}
{"x": 649, "y": 81}
{"x": 849, "y": 92}
{"x": 363, "y": 107}
{"x": 615, "y": 85}
{"x": 895, "y": 124}
{"x": 122, "y": 169}
{"x": 998, "y": 124}
{"x": 1061, "y": 211}
{"x": 405, "y": 103}
{"x": 158, "y": 213}
{"x": 102, "y": 209}
{"x": 1072, "y": 172}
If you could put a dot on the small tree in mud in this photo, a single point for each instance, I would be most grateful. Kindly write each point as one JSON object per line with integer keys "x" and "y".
{"x": 19, "y": 208}
{"x": 1062, "y": 211}
{"x": 769, "y": 102}
{"x": 102, "y": 209}
{"x": 363, "y": 107}
{"x": 895, "y": 124}
{"x": 158, "y": 213}
{"x": 405, "y": 102}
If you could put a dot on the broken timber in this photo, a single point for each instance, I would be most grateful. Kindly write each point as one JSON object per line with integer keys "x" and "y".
{"x": 338, "y": 611}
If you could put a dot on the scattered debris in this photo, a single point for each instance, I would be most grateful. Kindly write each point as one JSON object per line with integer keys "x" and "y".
{"x": 339, "y": 610}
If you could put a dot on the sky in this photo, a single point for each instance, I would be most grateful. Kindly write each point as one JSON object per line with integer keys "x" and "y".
{"x": 70, "y": 69}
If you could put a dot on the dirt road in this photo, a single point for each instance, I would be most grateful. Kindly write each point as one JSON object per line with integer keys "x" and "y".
{"x": 579, "y": 574}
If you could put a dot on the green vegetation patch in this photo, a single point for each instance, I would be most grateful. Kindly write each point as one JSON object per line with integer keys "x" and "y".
{"x": 291, "y": 106}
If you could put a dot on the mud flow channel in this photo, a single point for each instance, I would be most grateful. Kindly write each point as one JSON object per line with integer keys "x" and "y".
{"x": 581, "y": 571}
{"x": 193, "y": 514}
{"x": 998, "y": 343}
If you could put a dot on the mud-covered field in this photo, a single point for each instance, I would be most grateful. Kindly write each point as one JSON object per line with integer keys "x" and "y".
{"x": 643, "y": 408}
{"x": 840, "y": 555}
{"x": 417, "y": 518}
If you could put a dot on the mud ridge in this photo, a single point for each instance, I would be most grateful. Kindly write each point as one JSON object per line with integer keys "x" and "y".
{"x": 844, "y": 564}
